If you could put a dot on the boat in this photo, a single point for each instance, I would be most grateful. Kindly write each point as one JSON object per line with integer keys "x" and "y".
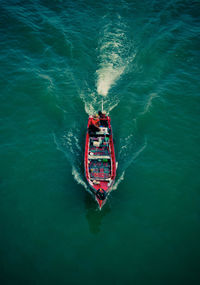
{"x": 99, "y": 161}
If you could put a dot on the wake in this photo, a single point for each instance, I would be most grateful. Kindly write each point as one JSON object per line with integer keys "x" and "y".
{"x": 69, "y": 143}
{"x": 107, "y": 76}
{"x": 113, "y": 55}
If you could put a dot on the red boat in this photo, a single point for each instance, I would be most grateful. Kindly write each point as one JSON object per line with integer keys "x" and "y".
{"x": 100, "y": 163}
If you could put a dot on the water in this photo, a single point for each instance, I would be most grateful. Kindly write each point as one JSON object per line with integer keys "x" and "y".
{"x": 59, "y": 59}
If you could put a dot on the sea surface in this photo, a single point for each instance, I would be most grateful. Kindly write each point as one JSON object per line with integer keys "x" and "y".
{"x": 58, "y": 61}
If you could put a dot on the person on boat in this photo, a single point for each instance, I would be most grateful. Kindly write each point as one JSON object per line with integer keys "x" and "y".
{"x": 101, "y": 194}
{"x": 103, "y": 119}
{"x": 102, "y": 115}
{"x": 95, "y": 120}
{"x": 94, "y": 125}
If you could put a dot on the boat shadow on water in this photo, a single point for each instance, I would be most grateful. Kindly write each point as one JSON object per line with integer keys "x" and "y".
{"x": 93, "y": 215}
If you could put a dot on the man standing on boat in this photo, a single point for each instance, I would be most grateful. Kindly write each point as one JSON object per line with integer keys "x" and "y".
{"x": 102, "y": 115}
{"x": 95, "y": 123}
{"x": 103, "y": 119}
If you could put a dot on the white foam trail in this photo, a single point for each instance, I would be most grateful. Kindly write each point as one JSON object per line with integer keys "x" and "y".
{"x": 78, "y": 178}
{"x": 127, "y": 148}
{"x": 140, "y": 150}
{"x": 66, "y": 144}
{"x": 126, "y": 144}
{"x": 89, "y": 109}
{"x": 92, "y": 106}
{"x": 107, "y": 76}
{"x": 89, "y": 102}
{"x": 112, "y": 107}
{"x": 149, "y": 103}
{"x": 113, "y": 55}
{"x": 115, "y": 186}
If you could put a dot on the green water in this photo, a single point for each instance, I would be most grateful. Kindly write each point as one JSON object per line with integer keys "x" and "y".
{"x": 59, "y": 59}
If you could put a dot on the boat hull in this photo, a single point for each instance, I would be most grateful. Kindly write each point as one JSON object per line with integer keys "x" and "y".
{"x": 99, "y": 161}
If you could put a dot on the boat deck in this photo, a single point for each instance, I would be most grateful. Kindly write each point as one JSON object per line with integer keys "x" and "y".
{"x": 100, "y": 169}
{"x": 99, "y": 158}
